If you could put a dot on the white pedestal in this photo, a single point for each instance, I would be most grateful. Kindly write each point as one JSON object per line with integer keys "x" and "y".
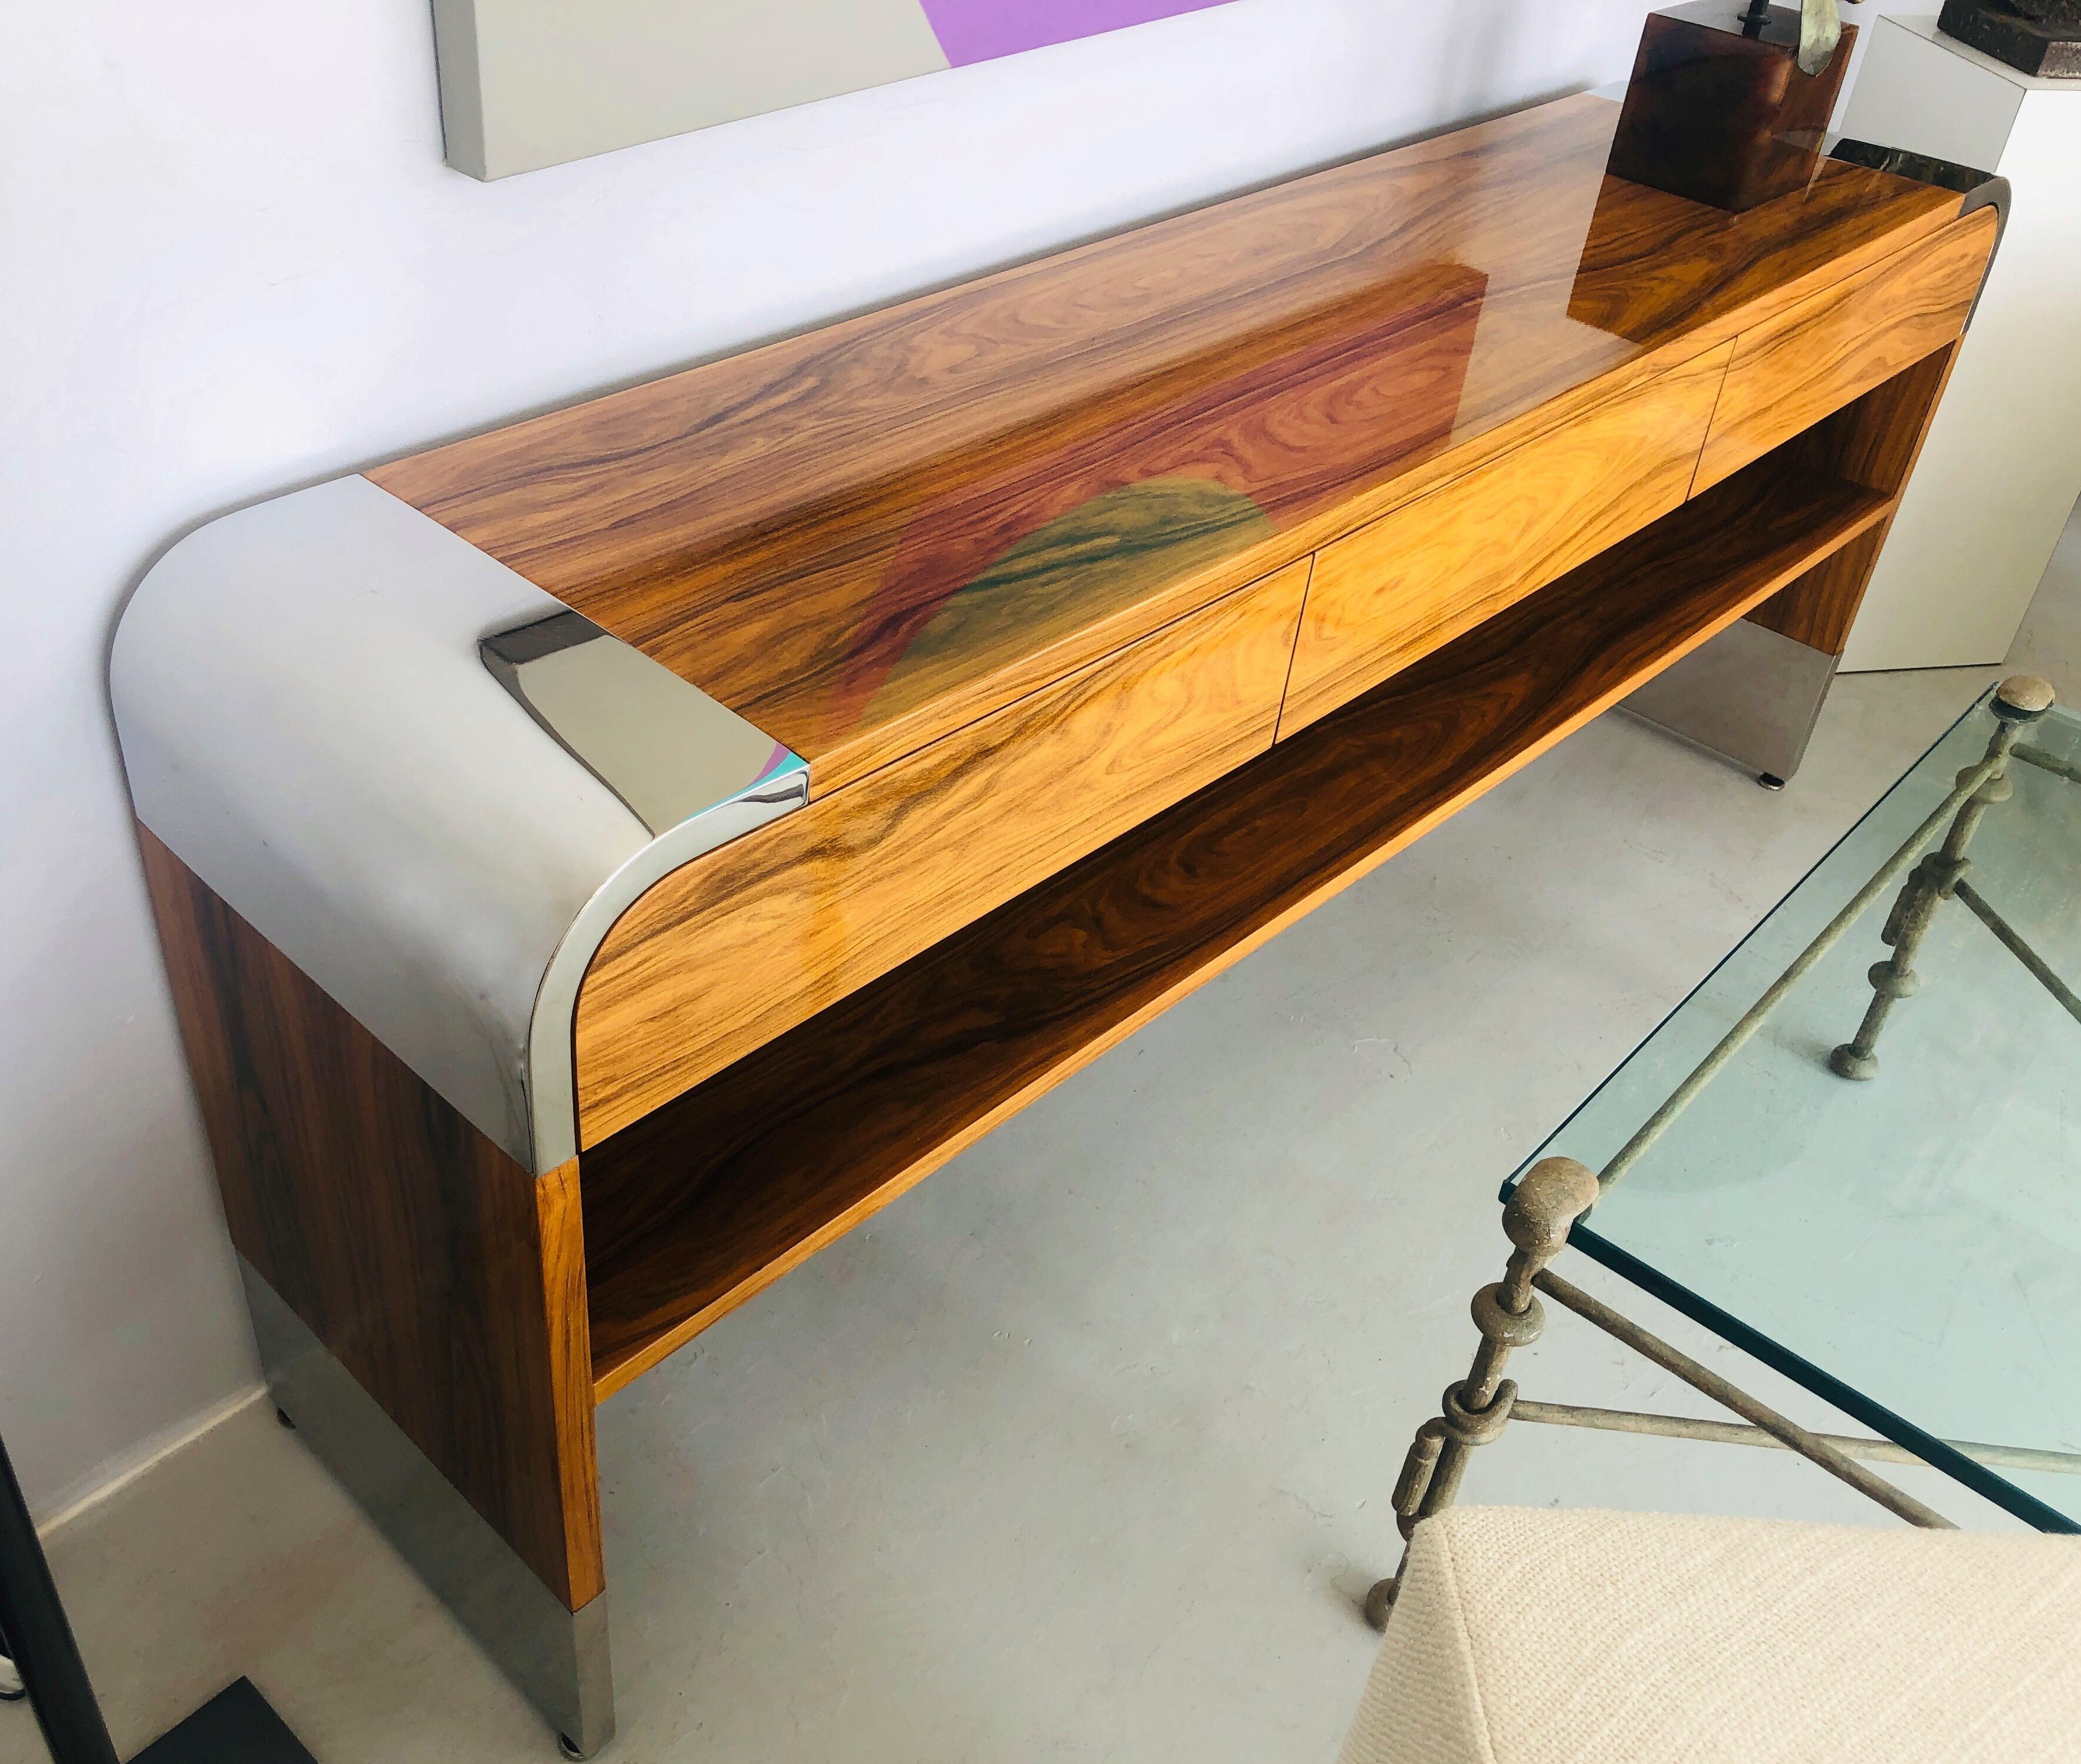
{"x": 2002, "y": 468}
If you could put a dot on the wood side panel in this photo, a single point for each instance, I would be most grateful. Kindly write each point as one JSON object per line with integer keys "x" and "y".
{"x": 1790, "y": 373}
{"x": 1817, "y": 608}
{"x": 1874, "y": 442}
{"x": 446, "y": 1278}
{"x": 865, "y": 536}
{"x": 1877, "y": 440}
{"x": 693, "y": 1209}
{"x": 744, "y": 943}
{"x": 1412, "y": 582}
{"x": 560, "y": 1231}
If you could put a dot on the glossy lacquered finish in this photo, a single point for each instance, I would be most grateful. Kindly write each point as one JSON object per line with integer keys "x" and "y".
{"x": 1414, "y": 580}
{"x": 696, "y": 1207}
{"x": 739, "y": 945}
{"x": 1789, "y": 372}
{"x": 723, "y": 956}
{"x": 1009, "y": 594}
{"x": 864, "y": 537}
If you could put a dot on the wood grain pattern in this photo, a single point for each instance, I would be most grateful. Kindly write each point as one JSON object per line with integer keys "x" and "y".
{"x": 691, "y": 1211}
{"x": 446, "y": 1279}
{"x": 1876, "y": 439}
{"x": 566, "y": 1305}
{"x": 1789, "y": 374}
{"x": 783, "y": 526}
{"x": 1816, "y": 609}
{"x": 1417, "y": 579}
{"x": 741, "y": 945}
{"x": 1873, "y": 442}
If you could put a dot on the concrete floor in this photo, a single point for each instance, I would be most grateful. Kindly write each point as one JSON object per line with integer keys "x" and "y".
{"x": 1083, "y": 1451}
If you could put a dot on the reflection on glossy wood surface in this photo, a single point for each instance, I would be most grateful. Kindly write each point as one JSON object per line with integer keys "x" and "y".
{"x": 446, "y": 1279}
{"x": 1417, "y": 579}
{"x": 1194, "y": 466}
{"x": 793, "y": 528}
{"x": 744, "y": 943}
{"x": 1791, "y": 373}
{"x": 1645, "y": 256}
{"x": 691, "y": 1211}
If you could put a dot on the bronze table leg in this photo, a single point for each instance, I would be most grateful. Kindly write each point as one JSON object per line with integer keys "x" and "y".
{"x": 2018, "y": 702}
{"x": 1555, "y": 1193}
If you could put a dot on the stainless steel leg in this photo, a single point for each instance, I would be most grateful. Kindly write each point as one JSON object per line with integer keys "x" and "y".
{"x": 1750, "y": 694}
{"x": 558, "y": 1658}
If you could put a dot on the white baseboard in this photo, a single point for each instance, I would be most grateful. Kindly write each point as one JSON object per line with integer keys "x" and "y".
{"x": 109, "y": 1478}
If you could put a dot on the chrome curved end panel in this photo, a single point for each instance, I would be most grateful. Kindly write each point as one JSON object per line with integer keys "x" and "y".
{"x": 405, "y": 766}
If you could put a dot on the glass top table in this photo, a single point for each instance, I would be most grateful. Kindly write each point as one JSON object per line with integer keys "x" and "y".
{"x": 1907, "y": 1243}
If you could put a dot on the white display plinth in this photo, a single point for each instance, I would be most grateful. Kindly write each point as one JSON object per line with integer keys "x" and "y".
{"x": 2002, "y": 468}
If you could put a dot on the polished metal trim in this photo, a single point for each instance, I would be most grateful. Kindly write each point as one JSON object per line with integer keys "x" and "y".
{"x": 437, "y": 832}
{"x": 665, "y": 748}
{"x": 1980, "y": 189}
{"x": 1750, "y": 694}
{"x": 558, "y": 1658}
{"x": 550, "y": 1056}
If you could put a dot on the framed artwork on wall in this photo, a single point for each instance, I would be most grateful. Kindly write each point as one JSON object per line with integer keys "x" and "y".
{"x": 530, "y": 83}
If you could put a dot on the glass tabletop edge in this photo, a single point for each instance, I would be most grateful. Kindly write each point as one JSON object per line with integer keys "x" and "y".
{"x": 1967, "y": 1471}
{"x": 1741, "y": 944}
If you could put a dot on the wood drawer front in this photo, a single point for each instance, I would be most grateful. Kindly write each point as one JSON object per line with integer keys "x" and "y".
{"x": 745, "y": 942}
{"x": 1789, "y": 373}
{"x": 1418, "y": 577}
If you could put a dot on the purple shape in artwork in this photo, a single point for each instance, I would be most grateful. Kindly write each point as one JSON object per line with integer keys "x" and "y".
{"x": 980, "y": 30}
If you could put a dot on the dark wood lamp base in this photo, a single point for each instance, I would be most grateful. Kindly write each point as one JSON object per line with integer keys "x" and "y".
{"x": 1718, "y": 110}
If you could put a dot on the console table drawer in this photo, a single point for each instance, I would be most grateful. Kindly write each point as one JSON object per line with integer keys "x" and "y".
{"x": 743, "y": 944}
{"x": 1795, "y": 369}
{"x": 1416, "y": 579}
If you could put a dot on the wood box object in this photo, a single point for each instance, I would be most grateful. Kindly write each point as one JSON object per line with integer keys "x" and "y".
{"x": 1718, "y": 110}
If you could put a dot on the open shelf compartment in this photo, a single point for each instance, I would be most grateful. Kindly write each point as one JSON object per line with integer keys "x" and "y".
{"x": 691, "y": 1211}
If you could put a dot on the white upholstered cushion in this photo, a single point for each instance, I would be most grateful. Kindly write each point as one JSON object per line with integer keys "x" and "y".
{"x": 1535, "y": 1636}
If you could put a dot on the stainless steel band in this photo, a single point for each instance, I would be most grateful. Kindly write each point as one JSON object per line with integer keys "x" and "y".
{"x": 429, "y": 784}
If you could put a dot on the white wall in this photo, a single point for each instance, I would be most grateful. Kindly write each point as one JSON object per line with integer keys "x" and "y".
{"x": 232, "y": 262}
{"x": 1865, "y": 14}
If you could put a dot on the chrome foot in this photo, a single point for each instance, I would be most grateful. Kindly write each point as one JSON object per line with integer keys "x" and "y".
{"x": 1770, "y": 780}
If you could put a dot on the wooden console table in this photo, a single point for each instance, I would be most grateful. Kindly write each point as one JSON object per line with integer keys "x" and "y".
{"x": 602, "y": 861}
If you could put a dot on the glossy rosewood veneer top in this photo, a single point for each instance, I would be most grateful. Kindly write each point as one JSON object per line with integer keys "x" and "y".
{"x": 863, "y": 536}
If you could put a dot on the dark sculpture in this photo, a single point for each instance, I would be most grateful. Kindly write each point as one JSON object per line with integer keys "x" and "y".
{"x": 2042, "y": 37}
